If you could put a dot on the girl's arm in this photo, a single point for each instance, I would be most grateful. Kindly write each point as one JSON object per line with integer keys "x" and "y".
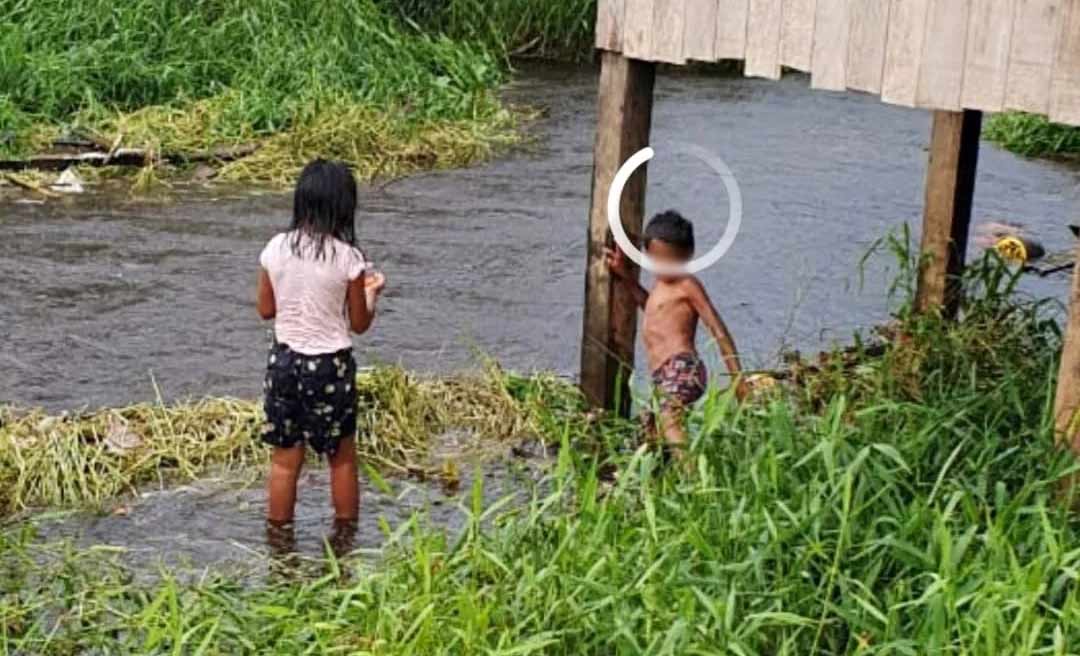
{"x": 699, "y": 299}
{"x": 616, "y": 263}
{"x": 264, "y": 296}
{"x": 362, "y": 297}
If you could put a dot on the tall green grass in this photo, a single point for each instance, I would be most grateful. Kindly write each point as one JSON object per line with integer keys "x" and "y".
{"x": 554, "y": 29}
{"x": 232, "y": 71}
{"x": 1033, "y": 136}
{"x": 904, "y": 508}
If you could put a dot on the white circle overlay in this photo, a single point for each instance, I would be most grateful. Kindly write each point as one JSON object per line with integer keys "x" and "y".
{"x": 735, "y": 209}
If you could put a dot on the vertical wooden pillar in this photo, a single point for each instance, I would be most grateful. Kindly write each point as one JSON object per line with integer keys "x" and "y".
{"x": 610, "y": 330}
{"x": 1067, "y": 399}
{"x": 950, "y": 188}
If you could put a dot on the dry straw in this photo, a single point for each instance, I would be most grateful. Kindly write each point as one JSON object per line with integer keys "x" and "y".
{"x": 84, "y": 460}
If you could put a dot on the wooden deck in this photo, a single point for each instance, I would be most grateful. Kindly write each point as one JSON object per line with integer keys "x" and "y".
{"x": 987, "y": 55}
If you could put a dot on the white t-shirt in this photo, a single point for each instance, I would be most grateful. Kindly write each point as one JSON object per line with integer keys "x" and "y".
{"x": 310, "y": 293}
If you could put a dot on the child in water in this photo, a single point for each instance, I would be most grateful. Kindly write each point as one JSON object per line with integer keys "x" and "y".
{"x": 316, "y": 285}
{"x": 672, "y": 311}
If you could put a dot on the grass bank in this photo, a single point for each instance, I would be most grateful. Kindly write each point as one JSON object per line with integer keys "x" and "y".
{"x": 339, "y": 78}
{"x": 88, "y": 460}
{"x": 551, "y": 29}
{"x": 1033, "y": 136}
{"x": 901, "y": 504}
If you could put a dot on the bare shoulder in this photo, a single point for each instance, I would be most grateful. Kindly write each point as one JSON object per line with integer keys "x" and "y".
{"x": 692, "y": 287}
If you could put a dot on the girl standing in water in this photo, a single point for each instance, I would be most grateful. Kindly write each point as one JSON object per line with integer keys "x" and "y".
{"x": 315, "y": 284}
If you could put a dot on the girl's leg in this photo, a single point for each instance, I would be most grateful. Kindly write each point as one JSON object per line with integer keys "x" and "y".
{"x": 285, "y": 466}
{"x": 344, "y": 482}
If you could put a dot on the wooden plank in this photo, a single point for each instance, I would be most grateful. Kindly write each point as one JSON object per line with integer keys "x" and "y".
{"x": 904, "y": 51}
{"x": 763, "y": 39}
{"x": 941, "y": 76}
{"x": 126, "y": 157}
{"x": 797, "y": 34}
{"x": 950, "y": 189}
{"x": 869, "y": 28}
{"x": 986, "y": 63}
{"x": 669, "y": 20}
{"x": 1065, "y": 92}
{"x": 1067, "y": 397}
{"x": 1031, "y": 55}
{"x": 831, "y": 36}
{"x": 609, "y": 24}
{"x": 610, "y": 325}
{"x": 699, "y": 42}
{"x": 731, "y": 20}
{"x": 638, "y": 29}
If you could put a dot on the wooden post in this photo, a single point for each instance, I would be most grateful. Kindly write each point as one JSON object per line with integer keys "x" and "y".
{"x": 950, "y": 188}
{"x": 623, "y": 124}
{"x": 1067, "y": 399}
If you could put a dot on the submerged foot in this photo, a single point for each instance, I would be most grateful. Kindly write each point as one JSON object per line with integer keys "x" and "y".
{"x": 281, "y": 539}
{"x": 343, "y": 538}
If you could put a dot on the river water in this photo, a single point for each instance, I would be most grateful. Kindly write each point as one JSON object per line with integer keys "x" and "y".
{"x": 108, "y": 300}
{"x": 105, "y": 296}
{"x": 219, "y": 522}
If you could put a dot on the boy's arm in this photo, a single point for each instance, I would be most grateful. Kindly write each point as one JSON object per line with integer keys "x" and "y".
{"x": 265, "y": 303}
{"x": 699, "y": 299}
{"x": 616, "y": 263}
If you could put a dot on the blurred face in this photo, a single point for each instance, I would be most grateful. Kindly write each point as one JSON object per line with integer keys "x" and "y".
{"x": 667, "y": 254}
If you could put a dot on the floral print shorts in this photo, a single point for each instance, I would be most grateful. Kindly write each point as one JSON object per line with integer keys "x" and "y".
{"x": 310, "y": 399}
{"x": 681, "y": 381}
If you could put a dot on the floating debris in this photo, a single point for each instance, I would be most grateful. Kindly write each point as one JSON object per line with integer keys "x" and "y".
{"x": 31, "y": 182}
{"x": 87, "y": 459}
{"x": 761, "y": 386}
{"x": 120, "y": 439}
{"x": 69, "y": 182}
{"x": 1018, "y": 250}
{"x": 204, "y": 173}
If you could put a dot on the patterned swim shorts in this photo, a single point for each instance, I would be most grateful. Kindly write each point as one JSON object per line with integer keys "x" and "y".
{"x": 680, "y": 381}
{"x": 309, "y": 399}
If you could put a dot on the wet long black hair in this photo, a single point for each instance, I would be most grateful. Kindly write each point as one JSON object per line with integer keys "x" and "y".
{"x": 324, "y": 206}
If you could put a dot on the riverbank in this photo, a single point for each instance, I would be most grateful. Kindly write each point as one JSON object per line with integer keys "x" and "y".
{"x": 561, "y": 30}
{"x": 90, "y": 460}
{"x": 901, "y": 505}
{"x": 280, "y": 82}
{"x": 249, "y": 92}
{"x": 1033, "y": 136}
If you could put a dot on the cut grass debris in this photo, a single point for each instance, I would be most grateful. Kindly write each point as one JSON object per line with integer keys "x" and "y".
{"x": 86, "y": 460}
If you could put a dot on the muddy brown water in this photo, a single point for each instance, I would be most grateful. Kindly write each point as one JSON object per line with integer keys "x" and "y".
{"x": 107, "y": 300}
{"x": 219, "y": 522}
{"x": 103, "y": 295}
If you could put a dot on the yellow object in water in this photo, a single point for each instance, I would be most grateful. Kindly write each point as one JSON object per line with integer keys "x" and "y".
{"x": 1012, "y": 249}
{"x": 760, "y": 385}
{"x": 761, "y": 381}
